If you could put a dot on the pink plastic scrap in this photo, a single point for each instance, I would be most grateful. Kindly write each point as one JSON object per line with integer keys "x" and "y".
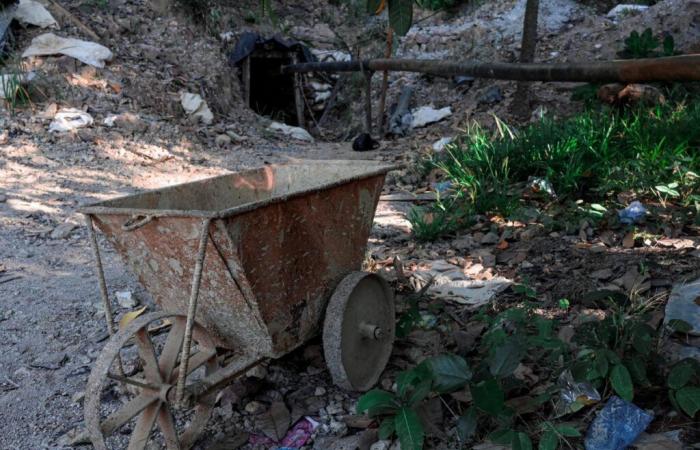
{"x": 296, "y": 437}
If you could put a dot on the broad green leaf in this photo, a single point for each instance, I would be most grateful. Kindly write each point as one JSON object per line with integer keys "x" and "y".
{"x": 548, "y": 441}
{"x": 622, "y": 382}
{"x": 638, "y": 371}
{"x": 450, "y": 372}
{"x": 568, "y": 431}
{"x": 387, "y": 428}
{"x": 680, "y": 326}
{"x": 505, "y": 358}
{"x": 688, "y": 399}
{"x": 377, "y": 402}
{"x": 599, "y": 207}
{"x": 504, "y": 437}
{"x": 521, "y": 441}
{"x": 669, "y": 46}
{"x": 681, "y": 373}
{"x": 466, "y": 425}
{"x": 642, "y": 338}
{"x": 601, "y": 363}
{"x": 419, "y": 393}
{"x": 488, "y": 396}
{"x": 409, "y": 429}
{"x": 400, "y": 15}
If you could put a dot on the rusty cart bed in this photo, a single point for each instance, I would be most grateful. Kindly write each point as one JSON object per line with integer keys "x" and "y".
{"x": 245, "y": 267}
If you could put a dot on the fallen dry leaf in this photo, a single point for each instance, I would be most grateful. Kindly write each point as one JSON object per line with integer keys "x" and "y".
{"x": 628, "y": 240}
{"x": 130, "y": 316}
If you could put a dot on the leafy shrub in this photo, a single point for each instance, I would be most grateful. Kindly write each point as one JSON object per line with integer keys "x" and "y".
{"x": 645, "y": 45}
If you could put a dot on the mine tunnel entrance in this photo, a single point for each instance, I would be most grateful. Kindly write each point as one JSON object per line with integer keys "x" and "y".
{"x": 265, "y": 89}
{"x": 271, "y": 92}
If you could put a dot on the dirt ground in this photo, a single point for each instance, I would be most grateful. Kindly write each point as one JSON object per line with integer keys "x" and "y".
{"x": 51, "y": 322}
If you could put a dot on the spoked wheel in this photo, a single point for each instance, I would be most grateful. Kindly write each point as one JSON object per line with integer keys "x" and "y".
{"x": 358, "y": 331}
{"x": 129, "y": 401}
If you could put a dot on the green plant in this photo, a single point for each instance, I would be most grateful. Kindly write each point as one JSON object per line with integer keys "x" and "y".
{"x": 645, "y": 45}
{"x": 623, "y": 352}
{"x": 591, "y": 155}
{"x": 399, "y": 411}
{"x": 12, "y": 88}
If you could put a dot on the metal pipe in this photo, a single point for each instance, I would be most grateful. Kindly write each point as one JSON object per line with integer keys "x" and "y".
{"x": 672, "y": 68}
{"x": 106, "y": 304}
{"x": 191, "y": 310}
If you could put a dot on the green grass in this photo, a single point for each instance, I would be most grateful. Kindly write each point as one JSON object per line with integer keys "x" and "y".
{"x": 589, "y": 157}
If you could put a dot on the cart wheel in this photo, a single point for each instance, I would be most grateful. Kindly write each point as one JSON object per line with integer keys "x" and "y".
{"x": 127, "y": 408}
{"x": 358, "y": 331}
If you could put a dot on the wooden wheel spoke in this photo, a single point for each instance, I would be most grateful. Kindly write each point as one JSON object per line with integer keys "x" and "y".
{"x": 148, "y": 355}
{"x": 126, "y": 412}
{"x": 144, "y": 425}
{"x": 166, "y": 422}
{"x": 173, "y": 344}
{"x": 196, "y": 361}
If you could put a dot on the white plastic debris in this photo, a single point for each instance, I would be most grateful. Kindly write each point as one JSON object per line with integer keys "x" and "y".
{"x": 195, "y": 106}
{"x": 620, "y": 10}
{"x": 427, "y": 114}
{"x": 87, "y": 52}
{"x": 68, "y": 119}
{"x": 451, "y": 283}
{"x": 682, "y": 305}
{"x": 126, "y": 299}
{"x": 294, "y": 132}
{"x": 440, "y": 144}
{"x": 31, "y": 12}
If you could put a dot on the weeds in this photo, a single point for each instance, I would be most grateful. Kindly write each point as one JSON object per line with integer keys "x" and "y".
{"x": 619, "y": 354}
{"x": 12, "y": 85}
{"x": 589, "y": 157}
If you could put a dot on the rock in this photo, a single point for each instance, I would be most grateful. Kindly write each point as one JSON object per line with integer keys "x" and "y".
{"x": 259, "y": 372}
{"x": 127, "y": 121}
{"x": 644, "y": 94}
{"x": 334, "y": 408}
{"x": 489, "y": 238}
{"x": 463, "y": 243}
{"x": 440, "y": 144}
{"x": 63, "y": 230}
{"x": 338, "y": 428}
{"x": 332, "y": 443}
{"x": 623, "y": 10}
{"x": 126, "y": 299}
{"x": 50, "y": 361}
{"x": 294, "y": 132}
{"x": 78, "y": 397}
{"x": 254, "y": 407}
{"x": 68, "y": 119}
{"x": 381, "y": 445}
{"x": 223, "y": 140}
{"x": 669, "y": 440}
{"x": 426, "y": 115}
{"x": 684, "y": 304}
{"x": 76, "y": 436}
{"x": 195, "y": 106}
{"x": 492, "y": 95}
{"x": 235, "y": 136}
{"x": 602, "y": 274}
{"x": 531, "y": 232}
{"x": 320, "y": 390}
{"x": 3, "y": 198}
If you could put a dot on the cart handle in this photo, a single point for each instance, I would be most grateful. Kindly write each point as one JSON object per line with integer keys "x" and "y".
{"x": 136, "y": 222}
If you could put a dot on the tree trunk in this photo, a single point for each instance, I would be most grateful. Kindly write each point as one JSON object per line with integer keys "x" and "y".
{"x": 521, "y": 100}
{"x": 671, "y": 68}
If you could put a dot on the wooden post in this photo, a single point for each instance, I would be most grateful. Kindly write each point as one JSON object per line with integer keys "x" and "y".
{"x": 298, "y": 100}
{"x": 368, "y": 102}
{"x": 245, "y": 68}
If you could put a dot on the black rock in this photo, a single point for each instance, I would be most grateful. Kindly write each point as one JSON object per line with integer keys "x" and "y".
{"x": 364, "y": 142}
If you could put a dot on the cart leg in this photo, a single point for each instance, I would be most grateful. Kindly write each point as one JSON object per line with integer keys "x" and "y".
{"x": 109, "y": 316}
{"x": 191, "y": 310}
